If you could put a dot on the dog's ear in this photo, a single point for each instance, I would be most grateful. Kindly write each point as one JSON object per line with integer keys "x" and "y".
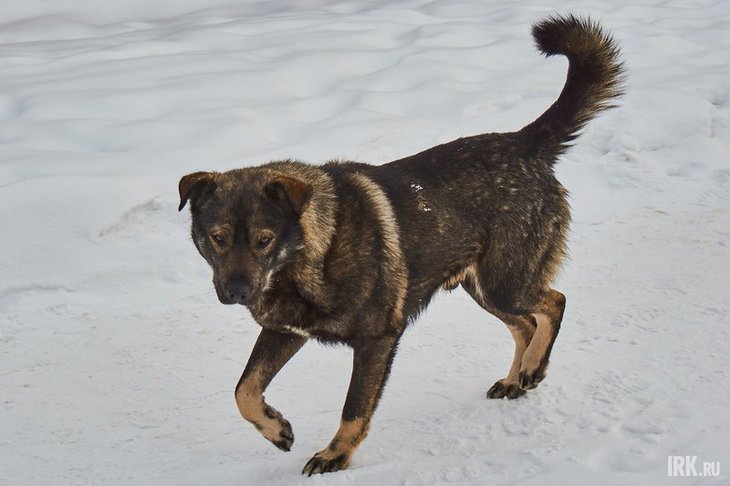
{"x": 287, "y": 189}
{"x": 195, "y": 185}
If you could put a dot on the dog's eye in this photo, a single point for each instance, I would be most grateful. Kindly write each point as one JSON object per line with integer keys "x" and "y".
{"x": 264, "y": 241}
{"x": 218, "y": 239}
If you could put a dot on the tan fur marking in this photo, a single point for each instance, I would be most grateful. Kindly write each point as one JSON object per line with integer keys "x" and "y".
{"x": 455, "y": 280}
{"x": 550, "y": 309}
{"x": 338, "y": 453}
{"x": 346, "y": 440}
{"x": 513, "y": 377}
{"x": 298, "y": 331}
{"x": 472, "y": 273}
{"x": 395, "y": 262}
{"x": 539, "y": 343}
{"x": 250, "y": 402}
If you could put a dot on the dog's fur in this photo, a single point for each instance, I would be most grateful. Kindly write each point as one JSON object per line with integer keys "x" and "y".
{"x": 351, "y": 253}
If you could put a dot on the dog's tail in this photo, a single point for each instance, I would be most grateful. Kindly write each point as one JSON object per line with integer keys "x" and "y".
{"x": 595, "y": 78}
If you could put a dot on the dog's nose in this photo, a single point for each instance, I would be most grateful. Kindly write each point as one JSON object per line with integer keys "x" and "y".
{"x": 239, "y": 290}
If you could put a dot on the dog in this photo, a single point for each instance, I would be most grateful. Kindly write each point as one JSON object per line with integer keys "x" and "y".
{"x": 351, "y": 253}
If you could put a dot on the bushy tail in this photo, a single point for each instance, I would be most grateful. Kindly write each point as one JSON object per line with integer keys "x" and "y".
{"x": 595, "y": 76}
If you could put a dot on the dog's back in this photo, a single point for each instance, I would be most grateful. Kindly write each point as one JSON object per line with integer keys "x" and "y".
{"x": 493, "y": 197}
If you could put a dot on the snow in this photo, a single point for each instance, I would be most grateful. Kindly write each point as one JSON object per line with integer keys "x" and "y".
{"x": 118, "y": 364}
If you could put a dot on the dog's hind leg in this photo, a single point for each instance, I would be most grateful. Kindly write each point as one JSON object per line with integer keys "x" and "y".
{"x": 548, "y": 314}
{"x": 522, "y": 328}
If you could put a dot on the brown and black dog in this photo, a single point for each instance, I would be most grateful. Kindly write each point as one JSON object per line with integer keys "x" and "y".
{"x": 350, "y": 253}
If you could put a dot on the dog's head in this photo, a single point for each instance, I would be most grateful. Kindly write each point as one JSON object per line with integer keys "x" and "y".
{"x": 246, "y": 225}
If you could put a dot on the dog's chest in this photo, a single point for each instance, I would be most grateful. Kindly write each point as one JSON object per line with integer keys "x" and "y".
{"x": 289, "y": 313}
{"x": 282, "y": 309}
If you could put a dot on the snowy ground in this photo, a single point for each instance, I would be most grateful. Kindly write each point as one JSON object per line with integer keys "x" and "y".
{"x": 117, "y": 364}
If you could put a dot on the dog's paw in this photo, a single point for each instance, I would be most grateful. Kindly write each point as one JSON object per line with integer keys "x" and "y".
{"x": 326, "y": 461}
{"x": 277, "y": 429}
{"x": 530, "y": 379}
{"x": 502, "y": 390}
{"x": 286, "y": 436}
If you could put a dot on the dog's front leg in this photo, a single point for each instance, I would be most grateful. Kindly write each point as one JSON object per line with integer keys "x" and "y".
{"x": 271, "y": 351}
{"x": 371, "y": 365}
